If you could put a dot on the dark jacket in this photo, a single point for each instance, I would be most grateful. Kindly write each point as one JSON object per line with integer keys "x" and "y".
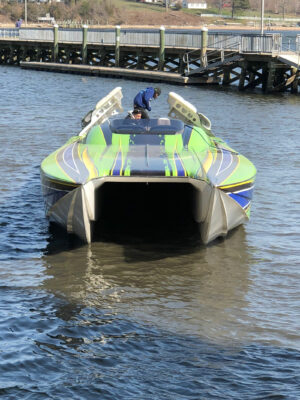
{"x": 143, "y": 98}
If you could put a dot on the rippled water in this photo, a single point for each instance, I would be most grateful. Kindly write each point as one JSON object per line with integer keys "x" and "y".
{"x": 153, "y": 315}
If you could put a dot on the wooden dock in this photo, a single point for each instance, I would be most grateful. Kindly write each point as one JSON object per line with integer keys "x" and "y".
{"x": 269, "y": 72}
{"x": 135, "y": 74}
{"x": 180, "y": 57}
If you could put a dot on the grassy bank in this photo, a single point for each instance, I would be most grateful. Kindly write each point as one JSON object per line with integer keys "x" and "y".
{"x": 119, "y": 12}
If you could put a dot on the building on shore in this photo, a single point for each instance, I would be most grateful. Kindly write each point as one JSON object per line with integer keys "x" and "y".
{"x": 194, "y": 4}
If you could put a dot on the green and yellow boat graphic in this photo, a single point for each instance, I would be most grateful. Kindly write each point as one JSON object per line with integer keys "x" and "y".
{"x": 174, "y": 150}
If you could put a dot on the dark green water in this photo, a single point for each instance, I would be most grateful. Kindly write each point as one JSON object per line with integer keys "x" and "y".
{"x": 149, "y": 314}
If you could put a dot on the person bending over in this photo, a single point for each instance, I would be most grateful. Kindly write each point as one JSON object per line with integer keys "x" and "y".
{"x": 143, "y": 98}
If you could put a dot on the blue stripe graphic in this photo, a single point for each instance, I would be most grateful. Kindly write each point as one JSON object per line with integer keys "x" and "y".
{"x": 241, "y": 200}
{"x": 179, "y": 166}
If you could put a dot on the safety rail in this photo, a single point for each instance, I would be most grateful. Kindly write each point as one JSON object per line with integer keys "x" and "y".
{"x": 221, "y": 41}
{"x": 220, "y": 55}
{"x": 286, "y": 49}
{"x": 10, "y": 33}
{"x": 70, "y": 35}
{"x": 219, "y": 45}
{"x": 219, "y": 51}
{"x": 40, "y": 34}
{"x": 189, "y": 39}
{"x": 143, "y": 37}
{"x": 268, "y": 43}
{"x": 288, "y": 56}
{"x": 107, "y": 36}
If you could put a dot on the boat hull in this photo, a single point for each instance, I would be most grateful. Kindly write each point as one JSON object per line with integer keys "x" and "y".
{"x": 78, "y": 208}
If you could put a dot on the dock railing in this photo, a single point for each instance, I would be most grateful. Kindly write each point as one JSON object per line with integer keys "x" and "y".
{"x": 268, "y": 43}
{"x": 189, "y": 39}
{"x": 298, "y": 44}
{"x": 144, "y": 37}
{"x": 186, "y": 39}
{"x": 70, "y": 35}
{"x": 39, "y": 34}
{"x": 148, "y": 37}
{"x": 225, "y": 42}
{"x": 101, "y": 36}
{"x": 290, "y": 57}
{"x": 223, "y": 50}
{"x": 289, "y": 54}
{"x": 9, "y": 33}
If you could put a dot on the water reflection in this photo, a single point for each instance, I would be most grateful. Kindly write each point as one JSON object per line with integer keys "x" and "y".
{"x": 186, "y": 288}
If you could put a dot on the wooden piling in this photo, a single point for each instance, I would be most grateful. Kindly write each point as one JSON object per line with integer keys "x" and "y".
{"x": 117, "y": 46}
{"x": 161, "y": 62}
{"x": 295, "y": 83}
{"x": 182, "y": 64}
{"x": 226, "y": 76}
{"x": 268, "y": 77}
{"x": 84, "y": 44}
{"x": 243, "y": 75}
{"x": 204, "y": 42}
{"x": 55, "y": 43}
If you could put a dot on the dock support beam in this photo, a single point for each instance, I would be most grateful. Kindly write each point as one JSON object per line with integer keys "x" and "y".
{"x": 55, "y": 44}
{"x": 243, "y": 76}
{"x": 268, "y": 77}
{"x": 251, "y": 83}
{"x": 161, "y": 61}
{"x": 204, "y": 41}
{"x": 117, "y": 46}
{"x": 226, "y": 76}
{"x": 84, "y": 44}
{"x": 294, "y": 87}
{"x": 182, "y": 64}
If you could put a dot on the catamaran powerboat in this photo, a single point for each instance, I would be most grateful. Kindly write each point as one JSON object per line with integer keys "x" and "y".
{"x": 179, "y": 149}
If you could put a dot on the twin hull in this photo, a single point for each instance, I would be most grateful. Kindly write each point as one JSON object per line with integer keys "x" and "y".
{"x": 78, "y": 209}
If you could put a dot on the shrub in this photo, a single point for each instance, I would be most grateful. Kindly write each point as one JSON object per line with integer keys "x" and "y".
{"x": 178, "y": 6}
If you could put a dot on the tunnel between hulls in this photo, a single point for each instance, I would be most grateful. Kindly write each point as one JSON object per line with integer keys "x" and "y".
{"x": 141, "y": 207}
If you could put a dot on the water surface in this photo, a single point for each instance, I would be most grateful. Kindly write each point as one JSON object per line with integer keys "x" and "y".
{"x": 150, "y": 314}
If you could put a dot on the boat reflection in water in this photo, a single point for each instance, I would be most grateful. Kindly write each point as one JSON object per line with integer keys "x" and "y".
{"x": 174, "y": 284}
